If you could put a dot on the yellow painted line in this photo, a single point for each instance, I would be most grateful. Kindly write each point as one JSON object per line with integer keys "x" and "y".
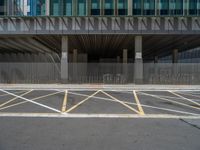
{"x": 11, "y": 100}
{"x": 165, "y": 99}
{"x": 187, "y": 99}
{"x": 124, "y": 104}
{"x": 81, "y": 102}
{"x": 31, "y": 99}
{"x": 64, "y": 105}
{"x": 138, "y": 103}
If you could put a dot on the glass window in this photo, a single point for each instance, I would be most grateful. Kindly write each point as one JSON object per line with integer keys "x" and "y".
{"x": 67, "y": 7}
{"x": 122, "y": 7}
{"x": 95, "y": 7}
{"x": 2, "y": 7}
{"x": 193, "y": 7}
{"x": 109, "y": 7}
{"x": 19, "y": 7}
{"x": 149, "y": 7}
{"x": 81, "y": 7}
{"x": 176, "y": 7}
{"x": 40, "y": 7}
{"x": 55, "y": 7}
{"x": 164, "y": 7}
{"x": 137, "y": 7}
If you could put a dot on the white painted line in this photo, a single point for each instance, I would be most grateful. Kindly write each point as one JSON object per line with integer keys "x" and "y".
{"x": 36, "y": 98}
{"x": 31, "y": 101}
{"x": 148, "y": 106}
{"x": 187, "y": 99}
{"x": 165, "y": 99}
{"x": 67, "y": 115}
{"x": 15, "y": 98}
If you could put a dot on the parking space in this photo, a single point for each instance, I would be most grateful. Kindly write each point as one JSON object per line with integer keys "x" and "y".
{"x": 100, "y": 103}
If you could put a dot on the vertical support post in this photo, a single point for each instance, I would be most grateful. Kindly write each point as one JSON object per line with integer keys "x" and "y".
{"x": 64, "y": 60}
{"x": 130, "y": 7}
{"x": 138, "y": 66}
{"x": 47, "y": 7}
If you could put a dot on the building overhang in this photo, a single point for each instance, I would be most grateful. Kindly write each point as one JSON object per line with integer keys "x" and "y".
{"x": 64, "y": 25}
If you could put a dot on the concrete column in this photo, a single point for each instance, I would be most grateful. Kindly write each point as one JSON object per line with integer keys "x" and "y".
{"x": 175, "y": 56}
{"x": 47, "y": 7}
{"x": 130, "y": 7}
{"x": 138, "y": 66}
{"x": 64, "y": 59}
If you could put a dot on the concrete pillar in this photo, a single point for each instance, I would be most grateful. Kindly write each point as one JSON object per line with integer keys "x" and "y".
{"x": 138, "y": 66}
{"x": 130, "y": 7}
{"x": 64, "y": 59}
{"x": 175, "y": 56}
{"x": 47, "y": 7}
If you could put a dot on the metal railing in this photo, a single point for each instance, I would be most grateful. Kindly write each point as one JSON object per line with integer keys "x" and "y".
{"x": 102, "y": 73}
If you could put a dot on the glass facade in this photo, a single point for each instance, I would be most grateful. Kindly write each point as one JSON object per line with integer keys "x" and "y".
{"x": 122, "y": 7}
{"x": 109, "y": 7}
{"x": 137, "y": 7}
{"x": 95, "y": 7}
{"x": 81, "y": 7}
{"x": 2, "y": 7}
{"x": 100, "y": 7}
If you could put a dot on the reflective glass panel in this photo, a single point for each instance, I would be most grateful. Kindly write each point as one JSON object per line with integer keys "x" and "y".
{"x": 149, "y": 7}
{"x": 109, "y": 7}
{"x": 67, "y": 7}
{"x": 95, "y": 7}
{"x": 164, "y": 7}
{"x": 176, "y": 7}
{"x": 137, "y": 7}
{"x": 122, "y": 7}
{"x": 55, "y": 7}
{"x": 81, "y": 7}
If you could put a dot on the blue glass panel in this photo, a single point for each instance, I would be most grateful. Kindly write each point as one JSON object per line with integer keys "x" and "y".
{"x": 81, "y": 7}
{"x": 122, "y": 7}
{"x": 109, "y": 7}
{"x": 67, "y": 7}
{"x": 95, "y": 7}
{"x": 137, "y": 7}
{"x": 149, "y": 7}
{"x": 164, "y": 7}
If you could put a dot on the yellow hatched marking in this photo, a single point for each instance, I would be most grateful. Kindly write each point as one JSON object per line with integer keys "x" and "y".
{"x": 81, "y": 102}
{"x": 64, "y": 105}
{"x": 123, "y": 103}
{"x": 31, "y": 99}
{"x": 138, "y": 103}
{"x": 9, "y": 101}
{"x": 187, "y": 99}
